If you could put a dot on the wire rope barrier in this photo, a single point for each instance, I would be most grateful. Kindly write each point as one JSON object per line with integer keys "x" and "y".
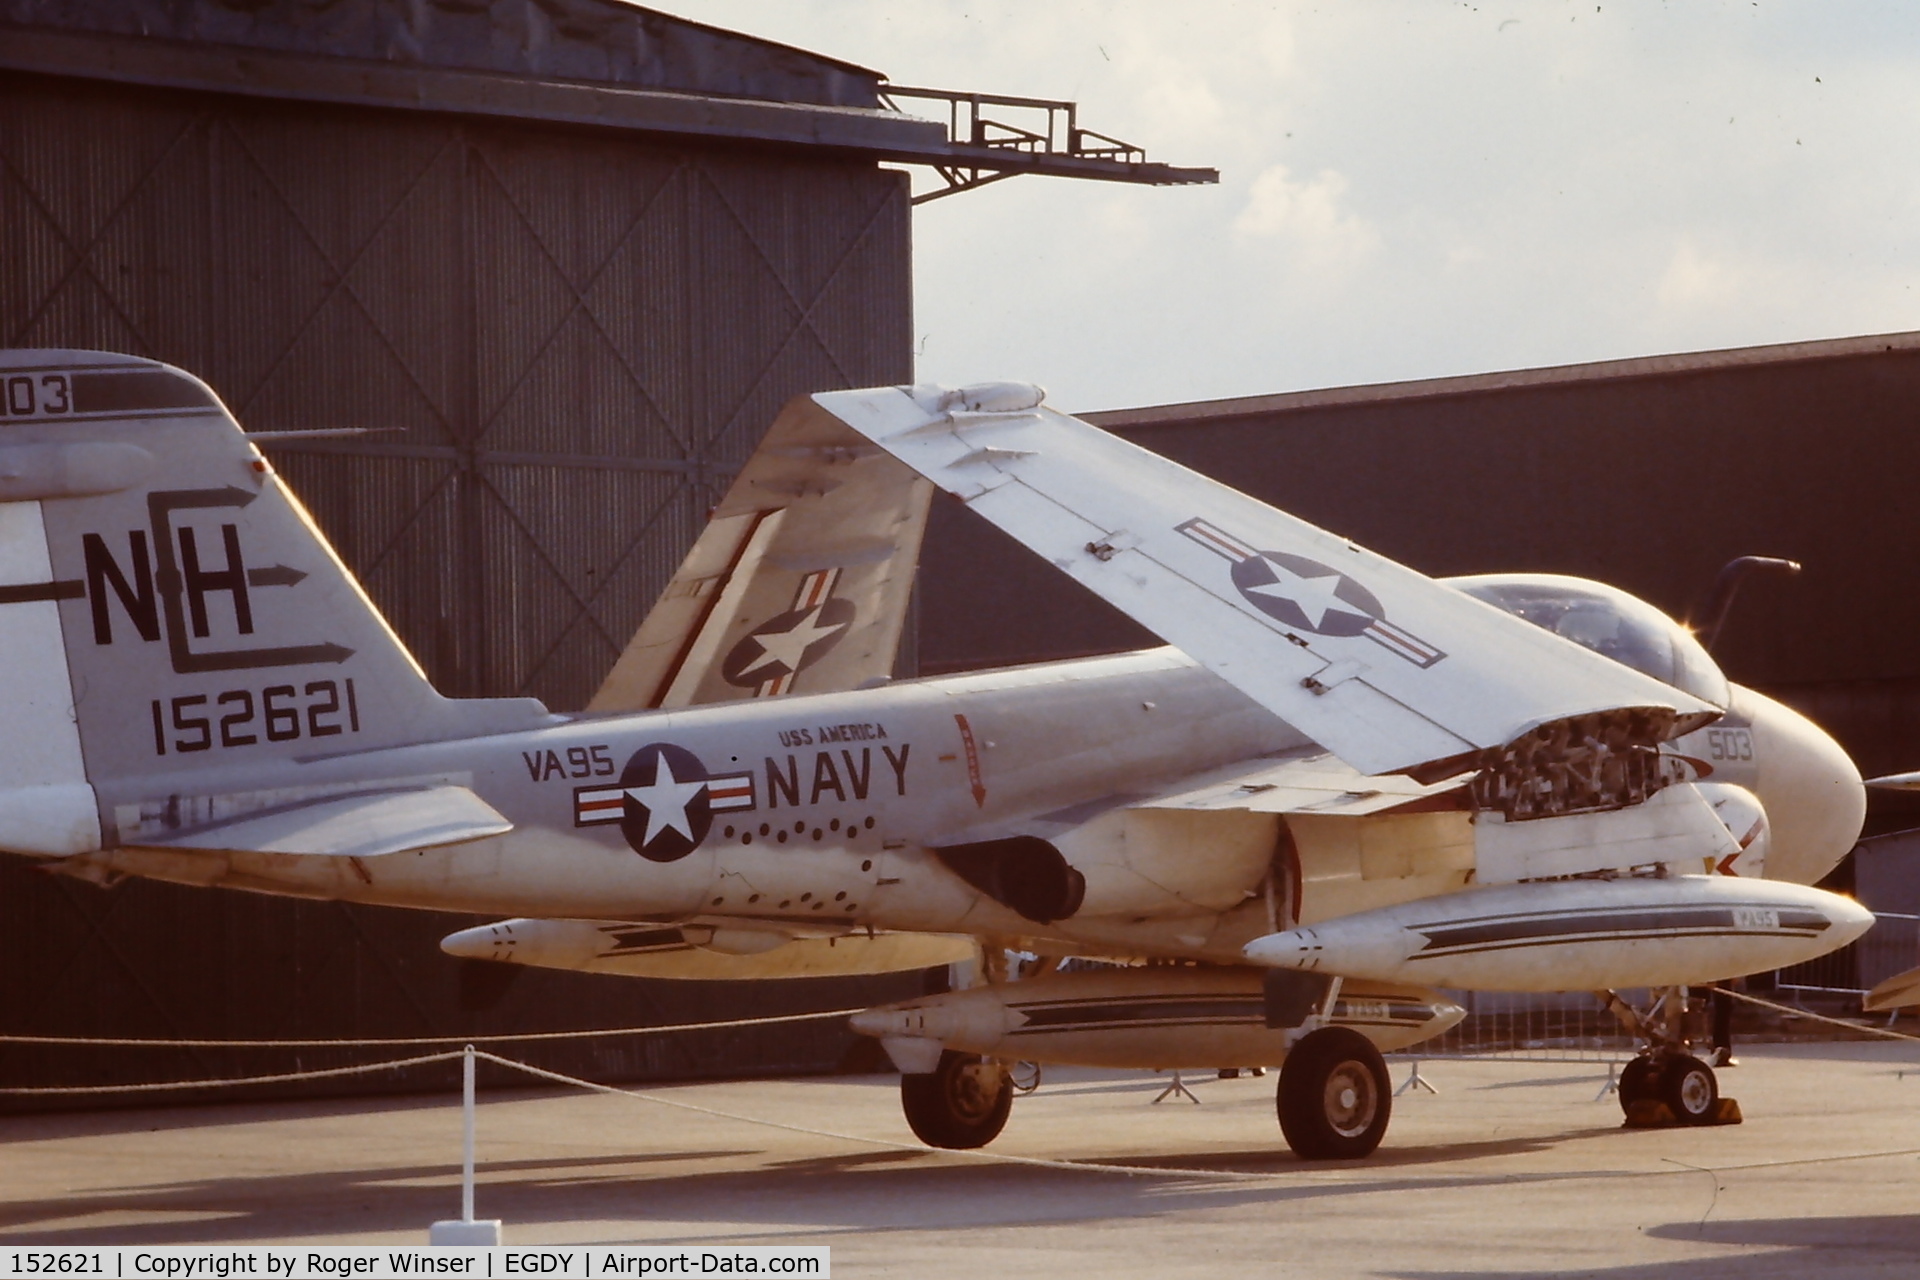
{"x": 655, "y": 1099}
{"x": 518, "y": 1037}
{"x": 286, "y": 1077}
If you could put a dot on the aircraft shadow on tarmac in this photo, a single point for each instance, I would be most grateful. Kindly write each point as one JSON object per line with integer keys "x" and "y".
{"x": 163, "y": 1115}
{"x": 336, "y": 1203}
{"x": 1830, "y": 1248}
{"x": 857, "y": 1192}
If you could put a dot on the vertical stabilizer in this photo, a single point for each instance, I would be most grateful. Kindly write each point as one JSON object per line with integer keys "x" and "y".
{"x": 166, "y": 604}
{"x": 799, "y": 584}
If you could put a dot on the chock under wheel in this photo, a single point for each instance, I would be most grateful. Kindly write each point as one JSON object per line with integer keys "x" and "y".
{"x": 1651, "y": 1113}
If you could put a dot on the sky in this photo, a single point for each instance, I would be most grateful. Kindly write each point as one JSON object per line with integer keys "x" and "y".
{"x": 1407, "y": 190}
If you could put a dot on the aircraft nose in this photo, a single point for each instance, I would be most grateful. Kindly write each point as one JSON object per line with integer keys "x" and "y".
{"x": 1812, "y": 792}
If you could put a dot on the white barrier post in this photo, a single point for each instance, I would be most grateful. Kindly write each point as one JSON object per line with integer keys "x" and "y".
{"x": 465, "y": 1229}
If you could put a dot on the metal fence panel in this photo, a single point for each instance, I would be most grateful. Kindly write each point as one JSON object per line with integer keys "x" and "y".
{"x": 1556, "y": 1027}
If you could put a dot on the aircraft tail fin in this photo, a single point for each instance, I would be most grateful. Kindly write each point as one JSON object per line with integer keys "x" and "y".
{"x": 800, "y": 582}
{"x": 167, "y": 605}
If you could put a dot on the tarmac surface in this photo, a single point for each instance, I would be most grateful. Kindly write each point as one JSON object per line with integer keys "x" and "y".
{"x": 1511, "y": 1169}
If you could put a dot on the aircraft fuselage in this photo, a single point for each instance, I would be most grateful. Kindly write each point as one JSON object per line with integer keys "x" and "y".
{"x": 807, "y": 813}
{"x": 813, "y": 813}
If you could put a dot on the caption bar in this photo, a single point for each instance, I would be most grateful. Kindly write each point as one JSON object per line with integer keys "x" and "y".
{"x": 394, "y": 1262}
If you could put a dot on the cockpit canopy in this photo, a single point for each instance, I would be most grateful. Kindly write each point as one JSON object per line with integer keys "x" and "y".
{"x": 1608, "y": 621}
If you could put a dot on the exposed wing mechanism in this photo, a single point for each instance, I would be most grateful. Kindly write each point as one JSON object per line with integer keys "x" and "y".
{"x": 1381, "y": 665}
{"x": 799, "y": 583}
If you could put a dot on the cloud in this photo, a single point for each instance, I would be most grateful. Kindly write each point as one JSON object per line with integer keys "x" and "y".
{"x": 1693, "y": 279}
{"x": 1308, "y": 216}
{"x": 1406, "y": 190}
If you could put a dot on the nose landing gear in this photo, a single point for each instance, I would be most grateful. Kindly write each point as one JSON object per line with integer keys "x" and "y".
{"x": 1666, "y": 1085}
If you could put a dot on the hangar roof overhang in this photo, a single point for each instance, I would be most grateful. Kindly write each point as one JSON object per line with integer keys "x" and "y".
{"x": 1213, "y": 411}
{"x": 601, "y": 63}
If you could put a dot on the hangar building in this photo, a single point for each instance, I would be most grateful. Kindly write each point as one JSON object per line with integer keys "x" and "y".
{"x": 561, "y": 262}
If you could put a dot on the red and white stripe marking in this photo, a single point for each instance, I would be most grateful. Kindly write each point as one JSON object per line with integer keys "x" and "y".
{"x": 731, "y": 791}
{"x": 593, "y": 806}
{"x": 598, "y": 806}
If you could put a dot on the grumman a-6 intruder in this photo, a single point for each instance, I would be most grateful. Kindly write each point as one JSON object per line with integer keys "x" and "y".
{"x": 1345, "y": 786}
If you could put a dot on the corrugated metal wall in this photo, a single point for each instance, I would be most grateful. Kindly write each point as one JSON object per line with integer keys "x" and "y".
{"x": 578, "y": 335}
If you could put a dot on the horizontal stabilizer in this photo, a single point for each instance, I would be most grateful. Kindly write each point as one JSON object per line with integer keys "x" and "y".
{"x": 1379, "y": 664}
{"x": 746, "y": 951}
{"x": 364, "y": 824}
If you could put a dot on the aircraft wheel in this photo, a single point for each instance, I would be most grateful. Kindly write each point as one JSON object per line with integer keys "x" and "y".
{"x": 1334, "y": 1097}
{"x": 960, "y": 1104}
{"x": 1689, "y": 1089}
{"x": 1638, "y": 1081}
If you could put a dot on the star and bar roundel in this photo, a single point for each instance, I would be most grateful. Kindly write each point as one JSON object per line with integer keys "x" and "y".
{"x": 1304, "y": 595}
{"x": 664, "y": 802}
{"x": 767, "y": 659}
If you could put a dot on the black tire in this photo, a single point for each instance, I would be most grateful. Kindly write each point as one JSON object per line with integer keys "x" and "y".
{"x": 1688, "y": 1087}
{"x": 1638, "y": 1082}
{"x": 961, "y": 1104}
{"x": 1334, "y": 1097}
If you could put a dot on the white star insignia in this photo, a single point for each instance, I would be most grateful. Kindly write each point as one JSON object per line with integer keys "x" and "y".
{"x": 667, "y": 800}
{"x": 1312, "y": 596}
{"x": 788, "y": 647}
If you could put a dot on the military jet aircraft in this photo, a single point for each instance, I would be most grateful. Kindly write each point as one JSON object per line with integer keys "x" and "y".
{"x": 1343, "y": 788}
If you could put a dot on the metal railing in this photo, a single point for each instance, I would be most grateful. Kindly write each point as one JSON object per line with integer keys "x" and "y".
{"x": 1891, "y": 946}
{"x": 995, "y": 136}
{"x": 1048, "y": 126}
{"x": 1552, "y": 1027}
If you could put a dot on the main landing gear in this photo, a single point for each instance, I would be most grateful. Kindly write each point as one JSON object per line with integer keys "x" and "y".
{"x": 1666, "y": 1084}
{"x": 1334, "y": 1099}
{"x": 961, "y": 1104}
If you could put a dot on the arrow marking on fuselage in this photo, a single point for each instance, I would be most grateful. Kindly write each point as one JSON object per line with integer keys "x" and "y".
{"x": 973, "y": 762}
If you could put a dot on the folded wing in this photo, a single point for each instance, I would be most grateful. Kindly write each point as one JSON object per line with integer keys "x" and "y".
{"x": 1378, "y": 663}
